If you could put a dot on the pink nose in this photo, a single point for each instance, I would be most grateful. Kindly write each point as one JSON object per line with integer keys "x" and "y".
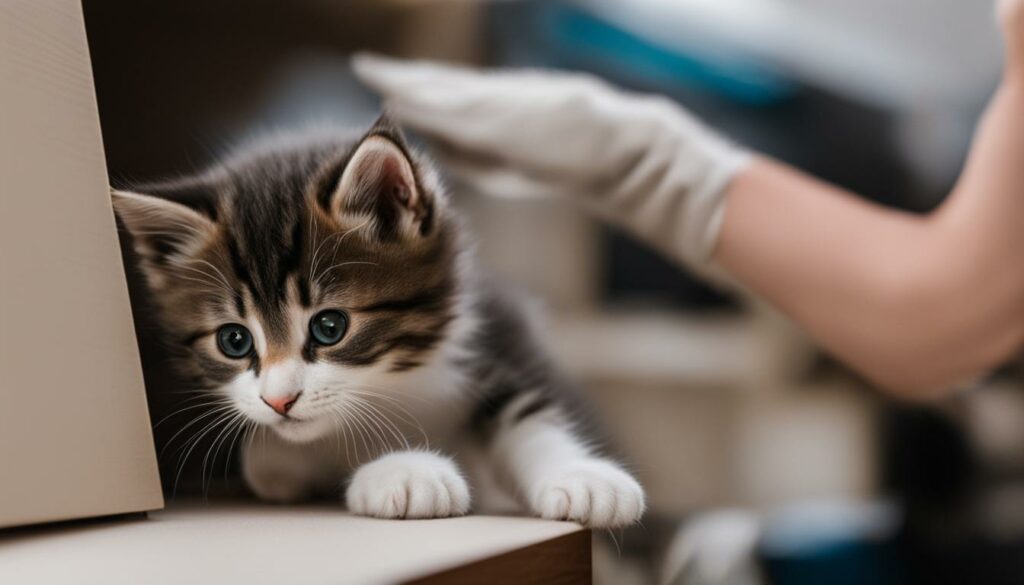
{"x": 281, "y": 404}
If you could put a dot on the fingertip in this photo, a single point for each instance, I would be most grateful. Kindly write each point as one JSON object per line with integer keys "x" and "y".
{"x": 391, "y": 77}
{"x": 368, "y": 66}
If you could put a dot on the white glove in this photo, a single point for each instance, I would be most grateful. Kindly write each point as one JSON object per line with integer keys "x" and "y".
{"x": 640, "y": 161}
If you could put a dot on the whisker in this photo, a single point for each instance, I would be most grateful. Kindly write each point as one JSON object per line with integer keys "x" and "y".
{"x": 196, "y": 436}
{"x": 358, "y": 426}
{"x": 313, "y": 275}
{"x": 364, "y": 431}
{"x": 215, "y": 449}
{"x": 336, "y": 266}
{"x": 374, "y": 426}
{"x": 315, "y": 262}
{"x": 187, "y": 408}
{"x": 352, "y": 230}
{"x": 390, "y": 402}
{"x": 208, "y": 285}
{"x": 205, "y": 391}
{"x": 343, "y": 427}
{"x": 337, "y": 244}
{"x": 189, "y": 424}
{"x": 382, "y": 392}
{"x": 351, "y": 433}
{"x": 220, "y": 282}
{"x": 312, "y": 230}
{"x": 223, "y": 279}
{"x": 382, "y": 420}
{"x": 341, "y": 431}
{"x": 198, "y": 439}
{"x": 242, "y": 431}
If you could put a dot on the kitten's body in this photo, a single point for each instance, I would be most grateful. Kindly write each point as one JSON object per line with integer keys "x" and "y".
{"x": 434, "y": 362}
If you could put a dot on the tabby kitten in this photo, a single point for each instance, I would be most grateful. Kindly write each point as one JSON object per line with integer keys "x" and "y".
{"x": 321, "y": 289}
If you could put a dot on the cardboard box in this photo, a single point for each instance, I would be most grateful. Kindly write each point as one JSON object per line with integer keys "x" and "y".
{"x": 75, "y": 437}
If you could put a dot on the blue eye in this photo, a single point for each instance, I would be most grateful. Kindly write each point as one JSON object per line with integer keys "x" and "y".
{"x": 328, "y": 327}
{"x": 234, "y": 341}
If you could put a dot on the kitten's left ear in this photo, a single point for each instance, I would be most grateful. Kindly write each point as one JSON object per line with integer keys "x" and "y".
{"x": 161, "y": 229}
{"x": 382, "y": 179}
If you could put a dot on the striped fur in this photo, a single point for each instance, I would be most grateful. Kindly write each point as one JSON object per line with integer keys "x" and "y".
{"x": 433, "y": 355}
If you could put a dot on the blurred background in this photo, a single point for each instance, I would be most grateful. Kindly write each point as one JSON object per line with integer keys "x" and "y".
{"x": 748, "y": 438}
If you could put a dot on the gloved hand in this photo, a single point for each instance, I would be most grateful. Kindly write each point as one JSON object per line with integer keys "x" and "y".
{"x": 639, "y": 161}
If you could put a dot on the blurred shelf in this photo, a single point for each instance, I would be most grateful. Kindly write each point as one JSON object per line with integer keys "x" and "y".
{"x": 890, "y": 54}
{"x": 675, "y": 348}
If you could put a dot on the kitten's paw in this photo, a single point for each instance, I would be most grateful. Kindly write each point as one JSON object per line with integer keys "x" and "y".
{"x": 410, "y": 484}
{"x": 593, "y": 492}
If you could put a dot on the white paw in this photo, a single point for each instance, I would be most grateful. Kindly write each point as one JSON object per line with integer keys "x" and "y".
{"x": 410, "y": 484}
{"x": 593, "y": 492}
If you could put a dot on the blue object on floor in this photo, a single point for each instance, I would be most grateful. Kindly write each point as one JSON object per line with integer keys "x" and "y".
{"x": 846, "y": 563}
{"x": 836, "y": 543}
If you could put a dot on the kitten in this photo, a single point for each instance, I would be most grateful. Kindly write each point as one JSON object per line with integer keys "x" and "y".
{"x": 322, "y": 288}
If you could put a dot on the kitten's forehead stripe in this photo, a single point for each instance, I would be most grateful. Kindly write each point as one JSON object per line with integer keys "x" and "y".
{"x": 428, "y": 299}
{"x": 273, "y": 214}
{"x": 239, "y": 303}
{"x": 237, "y": 265}
{"x": 304, "y": 295}
{"x": 291, "y": 257}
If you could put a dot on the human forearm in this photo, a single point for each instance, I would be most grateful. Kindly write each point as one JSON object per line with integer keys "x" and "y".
{"x": 915, "y": 303}
{"x": 836, "y": 264}
{"x": 984, "y": 222}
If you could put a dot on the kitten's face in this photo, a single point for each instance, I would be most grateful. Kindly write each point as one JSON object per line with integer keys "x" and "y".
{"x": 301, "y": 281}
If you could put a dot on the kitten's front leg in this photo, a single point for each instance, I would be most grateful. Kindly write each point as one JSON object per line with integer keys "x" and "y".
{"x": 408, "y": 484}
{"x": 282, "y": 472}
{"x": 559, "y": 476}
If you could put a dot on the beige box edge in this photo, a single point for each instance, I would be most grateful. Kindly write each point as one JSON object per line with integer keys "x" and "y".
{"x": 75, "y": 437}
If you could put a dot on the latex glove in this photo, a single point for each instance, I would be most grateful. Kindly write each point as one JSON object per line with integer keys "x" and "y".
{"x": 640, "y": 161}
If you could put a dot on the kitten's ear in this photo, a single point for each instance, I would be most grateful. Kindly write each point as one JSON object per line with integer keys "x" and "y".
{"x": 160, "y": 228}
{"x": 382, "y": 179}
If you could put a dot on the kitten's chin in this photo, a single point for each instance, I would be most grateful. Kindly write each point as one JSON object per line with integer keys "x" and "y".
{"x": 301, "y": 431}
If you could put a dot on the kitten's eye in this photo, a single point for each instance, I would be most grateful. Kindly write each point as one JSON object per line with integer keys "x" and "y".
{"x": 328, "y": 327}
{"x": 234, "y": 341}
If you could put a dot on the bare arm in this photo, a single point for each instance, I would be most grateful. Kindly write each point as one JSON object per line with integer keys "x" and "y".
{"x": 915, "y": 303}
